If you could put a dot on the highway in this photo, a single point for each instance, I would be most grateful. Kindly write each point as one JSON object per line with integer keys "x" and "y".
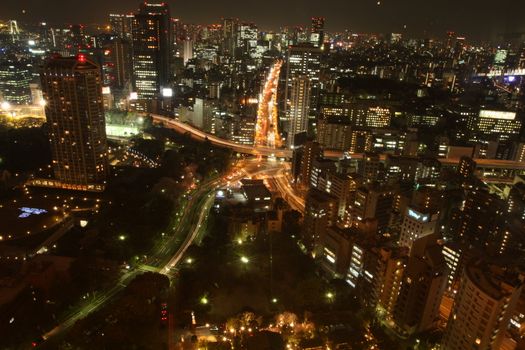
{"x": 286, "y": 153}
{"x": 181, "y": 127}
{"x": 281, "y": 182}
{"x": 266, "y": 130}
{"x": 169, "y": 252}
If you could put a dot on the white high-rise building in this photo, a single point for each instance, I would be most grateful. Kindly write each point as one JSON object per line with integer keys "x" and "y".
{"x": 299, "y": 107}
{"x": 482, "y": 309}
{"x": 187, "y": 51}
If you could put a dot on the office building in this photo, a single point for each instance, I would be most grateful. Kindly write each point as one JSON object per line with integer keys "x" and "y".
{"x": 491, "y": 124}
{"x": 417, "y": 223}
{"x": 320, "y": 213}
{"x": 299, "y": 108}
{"x": 229, "y": 36}
{"x": 334, "y": 135}
{"x": 317, "y": 31}
{"x": 370, "y": 167}
{"x": 320, "y": 168}
{"x": 335, "y": 248}
{"x": 302, "y": 61}
{"x": 242, "y": 130}
{"x": 15, "y": 78}
{"x": 480, "y": 218}
{"x": 483, "y": 307}
{"x": 363, "y": 115}
{"x": 385, "y": 275}
{"x": 372, "y": 203}
{"x": 340, "y": 185}
{"x": 361, "y": 141}
{"x": 247, "y": 35}
{"x": 151, "y": 54}
{"x": 119, "y": 52}
{"x": 424, "y": 282}
{"x": 72, "y": 87}
{"x": 311, "y": 151}
{"x": 121, "y": 25}
{"x": 187, "y": 50}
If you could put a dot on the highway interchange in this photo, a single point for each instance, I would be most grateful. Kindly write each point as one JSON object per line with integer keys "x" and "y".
{"x": 187, "y": 227}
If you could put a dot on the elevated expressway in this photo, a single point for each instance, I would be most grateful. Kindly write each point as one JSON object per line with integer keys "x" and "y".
{"x": 500, "y": 168}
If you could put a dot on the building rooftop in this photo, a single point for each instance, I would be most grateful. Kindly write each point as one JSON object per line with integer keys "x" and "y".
{"x": 491, "y": 279}
{"x": 256, "y": 191}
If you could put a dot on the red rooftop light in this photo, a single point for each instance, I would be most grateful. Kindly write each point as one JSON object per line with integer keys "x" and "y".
{"x": 81, "y": 58}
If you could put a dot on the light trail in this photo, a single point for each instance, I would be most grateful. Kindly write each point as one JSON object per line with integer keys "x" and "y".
{"x": 267, "y": 130}
{"x": 284, "y": 153}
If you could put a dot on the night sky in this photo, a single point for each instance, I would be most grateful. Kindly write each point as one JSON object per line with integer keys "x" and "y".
{"x": 477, "y": 19}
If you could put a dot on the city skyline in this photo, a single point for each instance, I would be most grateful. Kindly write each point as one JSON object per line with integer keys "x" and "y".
{"x": 169, "y": 185}
{"x": 478, "y": 20}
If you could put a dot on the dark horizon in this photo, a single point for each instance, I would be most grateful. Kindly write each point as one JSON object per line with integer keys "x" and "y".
{"x": 478, "y": 20}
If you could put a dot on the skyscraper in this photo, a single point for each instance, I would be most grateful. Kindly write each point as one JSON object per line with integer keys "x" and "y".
{"x": 151, "y": 53}
{"x": 299, "y": 108}
{"x": 120, "y": 53}
{"x": 317, "y": 31}
{"x": 121, "y": 25}
{"x": 187, "y": 50}
{"x": 14, "y": 82}
{"x": 72, "y": 87}
{"x": 247, "y": 35}
{"x": 229, "y": 36}
{"x": 302, "y": 61}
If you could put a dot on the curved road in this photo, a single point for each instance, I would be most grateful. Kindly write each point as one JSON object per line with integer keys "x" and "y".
{"x": 163, "y": 257}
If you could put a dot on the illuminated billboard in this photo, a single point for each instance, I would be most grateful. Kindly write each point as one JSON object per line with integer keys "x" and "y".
{"x": 485, "y": 113}
{"x": 418, "y": 216}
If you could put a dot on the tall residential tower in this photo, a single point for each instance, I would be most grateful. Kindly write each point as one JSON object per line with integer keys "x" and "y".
{"x": 72, "y": 87}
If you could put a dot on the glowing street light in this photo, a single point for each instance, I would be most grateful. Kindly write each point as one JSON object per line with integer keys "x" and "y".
{"x": 5, "y": 106}
{"x": 244, "y": 260}
{"x": 204, "y": 300}
{"x": 122, "y": 238}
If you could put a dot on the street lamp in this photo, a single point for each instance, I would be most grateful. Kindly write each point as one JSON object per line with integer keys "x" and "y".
{"x": 122, "y": 238}
{"x": 244, "y": 260}
{"x": 5, "y": 106}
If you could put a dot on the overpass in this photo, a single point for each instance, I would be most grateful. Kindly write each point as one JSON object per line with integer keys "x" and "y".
{"x": 504, "y": 168}
{"x": 217, "y": 141}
